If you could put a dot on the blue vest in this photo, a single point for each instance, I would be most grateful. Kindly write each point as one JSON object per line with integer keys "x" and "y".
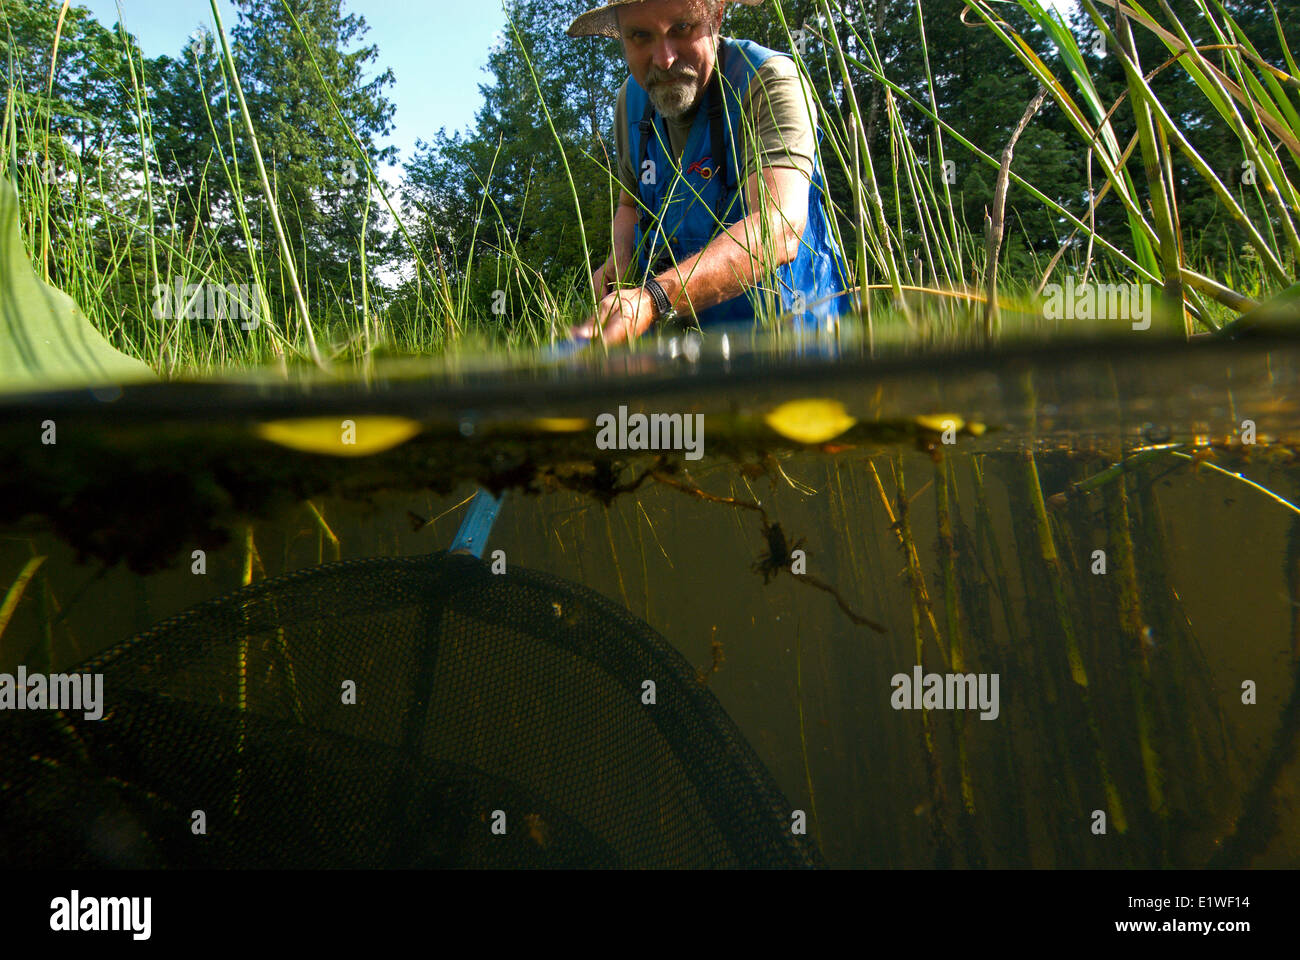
{"x": 688, "y": 203}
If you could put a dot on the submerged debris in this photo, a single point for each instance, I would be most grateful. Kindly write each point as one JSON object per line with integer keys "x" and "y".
{"x": 779, "y": 555}
{"x": 718, "y": 658}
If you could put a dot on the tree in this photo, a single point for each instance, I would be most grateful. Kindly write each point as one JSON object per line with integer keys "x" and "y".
{"x": 195, "y": 124}
{"x": 86, "y": 101}
{"x": 75, "y": 128}
{"x": 317, "y": 119}
{"x": 980, "y": 89}
{"x": 514, "y": 152}
{"x": 80, "y": 140}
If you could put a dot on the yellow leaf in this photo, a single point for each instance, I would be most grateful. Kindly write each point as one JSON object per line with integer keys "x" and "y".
{"x": 340, "y": 437}
{"x": 810, "y": 421}
{"x": 561, "y": 424}
{"x": 939, "y": 422}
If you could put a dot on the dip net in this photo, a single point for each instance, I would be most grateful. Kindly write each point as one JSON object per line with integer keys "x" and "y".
{"x": 394, "y": 712}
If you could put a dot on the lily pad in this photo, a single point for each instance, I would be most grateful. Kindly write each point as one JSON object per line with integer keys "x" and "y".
{"x": 46, "y": 341}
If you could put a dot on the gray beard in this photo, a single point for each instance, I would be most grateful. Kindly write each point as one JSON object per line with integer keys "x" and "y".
{"x": 674, "y": 99}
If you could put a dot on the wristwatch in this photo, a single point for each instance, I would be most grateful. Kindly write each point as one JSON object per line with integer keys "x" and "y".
{"x": 667, "y": 313}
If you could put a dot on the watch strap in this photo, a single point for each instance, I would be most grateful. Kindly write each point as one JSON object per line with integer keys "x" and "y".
{"x": 660, "y": 298}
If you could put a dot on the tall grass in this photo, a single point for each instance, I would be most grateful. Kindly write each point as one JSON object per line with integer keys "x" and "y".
{"x": 107, "y": 243}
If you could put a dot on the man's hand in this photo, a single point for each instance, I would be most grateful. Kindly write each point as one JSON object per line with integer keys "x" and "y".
{"x": 622, "y": 315}
{"x": 740, "y": 257}
{"x": 624, "y": 231}
{"x": 603, "y": 280}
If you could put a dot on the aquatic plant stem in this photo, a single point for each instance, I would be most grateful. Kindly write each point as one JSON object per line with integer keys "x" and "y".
{"x": 956, "y": 630}
{"x": 1248, "y": 482}
{"x": 803, "y": 736}
{"x": 1134, "y": 630}
{"x": 16, "y": 589}
{"x": 1162, "y": 198}
{"x": 957, "y": 642}
{"x": 1010, "y": 775}
{"x": 916, "y": 579}
{"x": 941, "y": 834}
{"x": 325, "y": 532}
{"x": 1052, "y": 566}
{"x": 994, "y": 222}
{"x": 1257, "y": 824}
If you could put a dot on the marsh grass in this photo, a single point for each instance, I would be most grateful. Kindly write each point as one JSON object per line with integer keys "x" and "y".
{"x": 107, "y": 236}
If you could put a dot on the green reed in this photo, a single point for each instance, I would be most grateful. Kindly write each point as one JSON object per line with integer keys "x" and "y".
{"x": 110, "y": 268}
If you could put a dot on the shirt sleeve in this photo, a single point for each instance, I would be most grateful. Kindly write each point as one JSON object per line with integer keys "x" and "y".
{"x": 782, "y": 110}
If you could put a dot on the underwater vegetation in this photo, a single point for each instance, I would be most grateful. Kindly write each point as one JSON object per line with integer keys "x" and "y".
{"x": 1057, "y": 628}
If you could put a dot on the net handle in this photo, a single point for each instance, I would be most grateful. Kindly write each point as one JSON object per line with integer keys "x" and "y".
{"x": 474, "y": 530}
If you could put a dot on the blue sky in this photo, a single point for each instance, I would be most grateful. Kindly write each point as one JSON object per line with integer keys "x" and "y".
{"x": 436, "y": 49}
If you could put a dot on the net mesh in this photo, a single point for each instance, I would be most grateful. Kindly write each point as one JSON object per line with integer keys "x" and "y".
{"x": 482, "y": 703}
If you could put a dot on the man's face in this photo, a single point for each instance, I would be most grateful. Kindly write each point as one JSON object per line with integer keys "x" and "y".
{"x": 671, "y": 46}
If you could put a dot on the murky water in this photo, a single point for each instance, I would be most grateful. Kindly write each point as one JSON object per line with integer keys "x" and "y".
{"x": 1138, "y": 625}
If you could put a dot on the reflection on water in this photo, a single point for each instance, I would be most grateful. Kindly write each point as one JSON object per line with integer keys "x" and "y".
{"x": 1114, "y": 561}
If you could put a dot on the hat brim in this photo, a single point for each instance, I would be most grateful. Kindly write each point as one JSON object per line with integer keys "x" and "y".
{"x": 603, "y": 21}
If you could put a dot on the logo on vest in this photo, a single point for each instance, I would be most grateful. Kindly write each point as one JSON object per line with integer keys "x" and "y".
{"x": 700, "y": 167}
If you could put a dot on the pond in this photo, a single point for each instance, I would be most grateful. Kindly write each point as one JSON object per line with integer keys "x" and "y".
{"x": 1038, "y": 607}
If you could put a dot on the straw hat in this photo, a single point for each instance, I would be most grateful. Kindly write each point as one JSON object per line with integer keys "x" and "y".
{"x": 603, "y": 22}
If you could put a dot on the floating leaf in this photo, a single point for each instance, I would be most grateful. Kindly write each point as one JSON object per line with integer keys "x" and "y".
{"x": 943, "y": 422}
{"x": 561, "y": 424}
{"x": 350, "y": 437}
{"x": 810, "y": 421}
{"x": 939, "y": 422}
{"x": 46, "y": 342}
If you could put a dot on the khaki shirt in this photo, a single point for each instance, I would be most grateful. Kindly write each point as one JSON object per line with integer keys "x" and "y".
{"x": 778, "y": 107}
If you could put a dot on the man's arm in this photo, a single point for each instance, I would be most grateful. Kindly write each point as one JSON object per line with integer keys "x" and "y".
{"x": 624, "y": 237}
{"x": 737, "y": 259}
{"x": 747, "y": 252}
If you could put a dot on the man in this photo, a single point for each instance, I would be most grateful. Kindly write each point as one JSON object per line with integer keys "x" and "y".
{"x": 721, "y": 195}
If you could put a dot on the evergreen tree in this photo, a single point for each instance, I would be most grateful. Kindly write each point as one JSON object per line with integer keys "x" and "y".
{"x": 513, "y": 150}
{"x": 295, "y": 69}
{"x": 195, "y": 122}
